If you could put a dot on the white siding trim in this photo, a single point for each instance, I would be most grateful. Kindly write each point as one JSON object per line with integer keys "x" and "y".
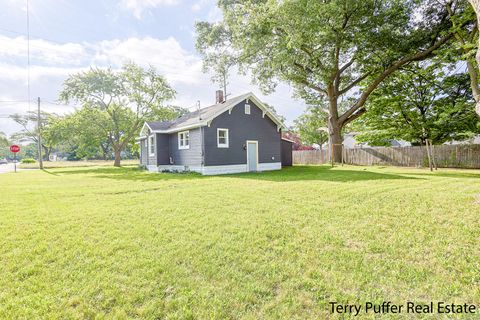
{"x": 152, "y": 168}
{"x": 239, "y": 168}
{"x": 227, "y": 169}
{"x": 215, "y": 170}
{"x": 269, "y": 166}
{"x": 179, "y": 168}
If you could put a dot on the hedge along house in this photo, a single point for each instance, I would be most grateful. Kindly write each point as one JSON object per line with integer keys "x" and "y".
{"x": 237, "y": 135}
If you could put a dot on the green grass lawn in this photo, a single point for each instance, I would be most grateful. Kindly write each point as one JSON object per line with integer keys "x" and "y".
{"x": 122, "y": 243}
{"x": 71, "y": 164}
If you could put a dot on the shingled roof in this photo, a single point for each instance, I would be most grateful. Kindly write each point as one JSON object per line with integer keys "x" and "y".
{"x": 203, "y": 116}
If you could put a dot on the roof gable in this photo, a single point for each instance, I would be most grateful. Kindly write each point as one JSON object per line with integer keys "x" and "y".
{"x": 203, "y": 117}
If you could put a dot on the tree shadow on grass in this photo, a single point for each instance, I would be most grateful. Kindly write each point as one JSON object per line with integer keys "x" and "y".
{"x": 132, "y": 173}
{"x": 449, "y": 174}
{"x": 321, "y": 173}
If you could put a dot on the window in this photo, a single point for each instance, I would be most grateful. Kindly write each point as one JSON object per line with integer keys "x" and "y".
{"x": 152, "y": 145}
{"x": 222, "y": 138}
{"x": 183, "y": 140}
{"x": 247, "y": 109}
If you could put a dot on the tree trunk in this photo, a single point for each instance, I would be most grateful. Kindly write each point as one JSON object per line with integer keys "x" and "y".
{"x": 117, "y": 157}
{"x": 104, "y": 151}
{"x": 476, "y": 6}
{"x": 335, "y": 125}
{"x": 46, "y": 153}
{"x": 336, "y": 140}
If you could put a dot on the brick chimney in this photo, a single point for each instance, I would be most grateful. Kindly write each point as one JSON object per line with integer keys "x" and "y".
{"x": 219, "y": 96}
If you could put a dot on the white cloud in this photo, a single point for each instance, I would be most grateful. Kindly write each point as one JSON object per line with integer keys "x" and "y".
{"x": 42, "y": 51}
{"x": 139, "y": 6}
{"x": 200, "y": 4}
{"x": 53, "y": 62}
{"x": 215, "y": 14}
{"x": 17, "y": 4}
{"x": 178, "y": 65}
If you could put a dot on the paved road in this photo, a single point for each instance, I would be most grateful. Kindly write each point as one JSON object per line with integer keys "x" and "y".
{"x": 4, "y": 168}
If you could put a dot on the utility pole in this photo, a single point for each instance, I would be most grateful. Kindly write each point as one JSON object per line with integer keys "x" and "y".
{"x": 39, "y": 138}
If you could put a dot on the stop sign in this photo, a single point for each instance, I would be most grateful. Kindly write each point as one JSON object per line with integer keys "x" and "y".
{"x": 14, "y": 148}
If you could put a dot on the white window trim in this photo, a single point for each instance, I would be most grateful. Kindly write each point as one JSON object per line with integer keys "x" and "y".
{"x": 247, "y": 106}
{"x": 223, "y": 145}
{"x": 150, "y": 145}
{"x": 180, "y": 147}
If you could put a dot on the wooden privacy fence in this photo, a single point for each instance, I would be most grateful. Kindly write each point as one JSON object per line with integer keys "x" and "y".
{"x": 446, "y": 156}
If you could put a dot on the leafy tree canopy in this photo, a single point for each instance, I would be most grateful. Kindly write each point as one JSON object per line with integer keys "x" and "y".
{"x": 329, "y": 49}
{"x": 311, "y": 126}
{"x": 421, "y": 102}
{"x": 29, "y": 131}
{"x": 3, "y": 139}
{"x": 123, "y": 100}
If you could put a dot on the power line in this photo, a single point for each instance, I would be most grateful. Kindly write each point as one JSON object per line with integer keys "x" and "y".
{"x": 14, "y": 101}
{"x": 26, "y": 34}
{"x": 28, "y": 54}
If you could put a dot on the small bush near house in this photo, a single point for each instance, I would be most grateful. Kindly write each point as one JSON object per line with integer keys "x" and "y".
{"x": 28, "y": 160}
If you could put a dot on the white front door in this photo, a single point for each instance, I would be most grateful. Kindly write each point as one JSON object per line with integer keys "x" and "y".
{"x": 252, "y": 155}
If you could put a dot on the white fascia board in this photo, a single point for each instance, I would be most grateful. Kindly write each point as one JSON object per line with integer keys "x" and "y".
{"x": 227, "y": 107}
{"x": 257, "y": 102}
{"x": 193, "y": 126}
{"x": 145, "y": 125}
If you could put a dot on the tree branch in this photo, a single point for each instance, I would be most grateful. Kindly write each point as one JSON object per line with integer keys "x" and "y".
{"x": 419, "y": 56}
{"x": 354, "y": 116}
{"x": 354, "y": 83}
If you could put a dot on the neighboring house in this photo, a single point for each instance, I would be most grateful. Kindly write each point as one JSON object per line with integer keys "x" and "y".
{"x": 474, "y": 140}
{"x": 237, "y": 135}
{"x": 297, "y": 142}
{"x": 57, "y": 156}
{"x": 350, "y": 142}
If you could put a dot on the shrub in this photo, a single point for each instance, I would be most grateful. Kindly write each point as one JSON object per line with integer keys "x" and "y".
{"x": 28, "y": 160}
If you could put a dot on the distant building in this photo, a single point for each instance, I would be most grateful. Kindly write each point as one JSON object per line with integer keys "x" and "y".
{"x": 473, "y": 140}
{"x": 350, "y": 142}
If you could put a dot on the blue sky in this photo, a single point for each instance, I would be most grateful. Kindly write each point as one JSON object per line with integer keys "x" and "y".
{"x": 70, "y": 36}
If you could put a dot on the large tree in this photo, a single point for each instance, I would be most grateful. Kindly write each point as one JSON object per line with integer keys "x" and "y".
{"x": 310, "y": 126}
{"x": 331, "y": 49}
{"x": 465, "y": 31}
{"x": 125, "y": 99}
{"x": 476, "y": 7}
{"x": 29, "y": 131}
{"x": 418, "y": 103}
{"x": 78, "y": 134}
{"x": 3, "y": 139}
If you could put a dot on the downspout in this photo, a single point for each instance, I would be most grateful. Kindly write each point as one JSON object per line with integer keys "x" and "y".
{"x": 148, "y": 148}
{"x": 203, "y": 147}
{"x": 201, "y": 137}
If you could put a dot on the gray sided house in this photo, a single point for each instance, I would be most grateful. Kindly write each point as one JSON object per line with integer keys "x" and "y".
{"x": 237, "y": 135}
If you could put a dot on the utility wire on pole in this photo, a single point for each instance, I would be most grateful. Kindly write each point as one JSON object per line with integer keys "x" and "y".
{"x": 39, "y": 138}
{"x": 28, "y": 54}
